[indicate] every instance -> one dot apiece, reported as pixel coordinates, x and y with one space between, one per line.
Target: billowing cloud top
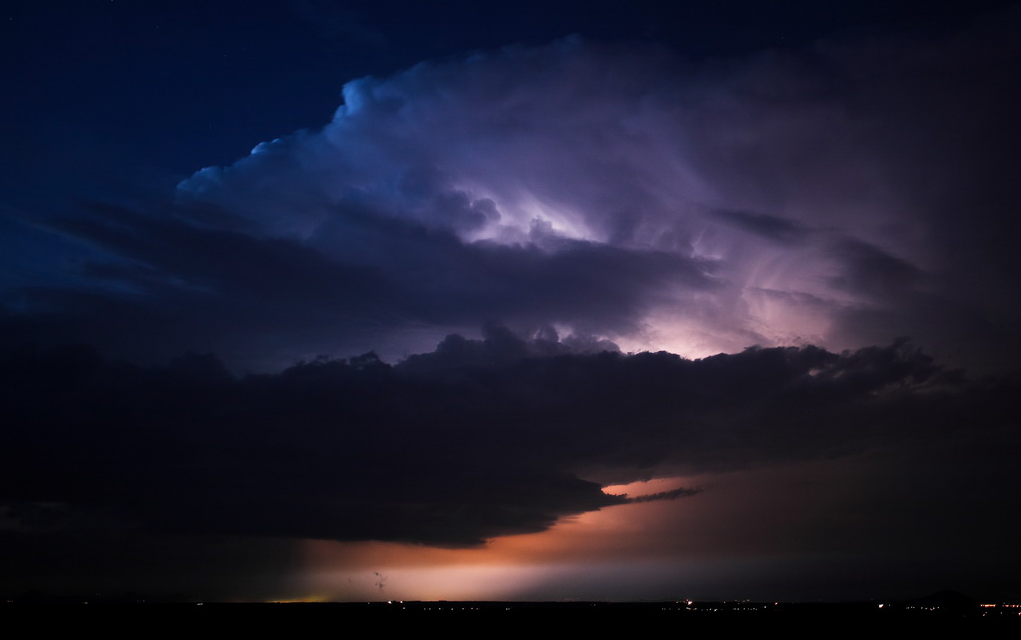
842 197
774 200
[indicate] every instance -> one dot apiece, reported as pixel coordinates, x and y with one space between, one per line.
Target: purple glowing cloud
770 201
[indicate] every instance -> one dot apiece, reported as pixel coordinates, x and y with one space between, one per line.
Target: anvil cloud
841 197
704 208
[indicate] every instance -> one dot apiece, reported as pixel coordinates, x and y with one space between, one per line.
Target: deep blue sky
104 87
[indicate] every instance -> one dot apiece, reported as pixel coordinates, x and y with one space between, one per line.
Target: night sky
311 300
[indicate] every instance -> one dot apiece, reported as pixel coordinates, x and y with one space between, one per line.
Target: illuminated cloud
608 191
768 201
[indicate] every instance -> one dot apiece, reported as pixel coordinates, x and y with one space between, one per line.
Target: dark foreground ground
111 617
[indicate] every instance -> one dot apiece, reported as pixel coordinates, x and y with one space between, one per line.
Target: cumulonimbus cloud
804 197
798 174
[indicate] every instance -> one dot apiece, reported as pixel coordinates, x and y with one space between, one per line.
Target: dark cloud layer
170 285
475 440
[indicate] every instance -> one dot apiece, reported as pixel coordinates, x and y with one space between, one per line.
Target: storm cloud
840 196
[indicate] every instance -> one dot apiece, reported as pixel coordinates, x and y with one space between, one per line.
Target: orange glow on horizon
743 525
505 568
